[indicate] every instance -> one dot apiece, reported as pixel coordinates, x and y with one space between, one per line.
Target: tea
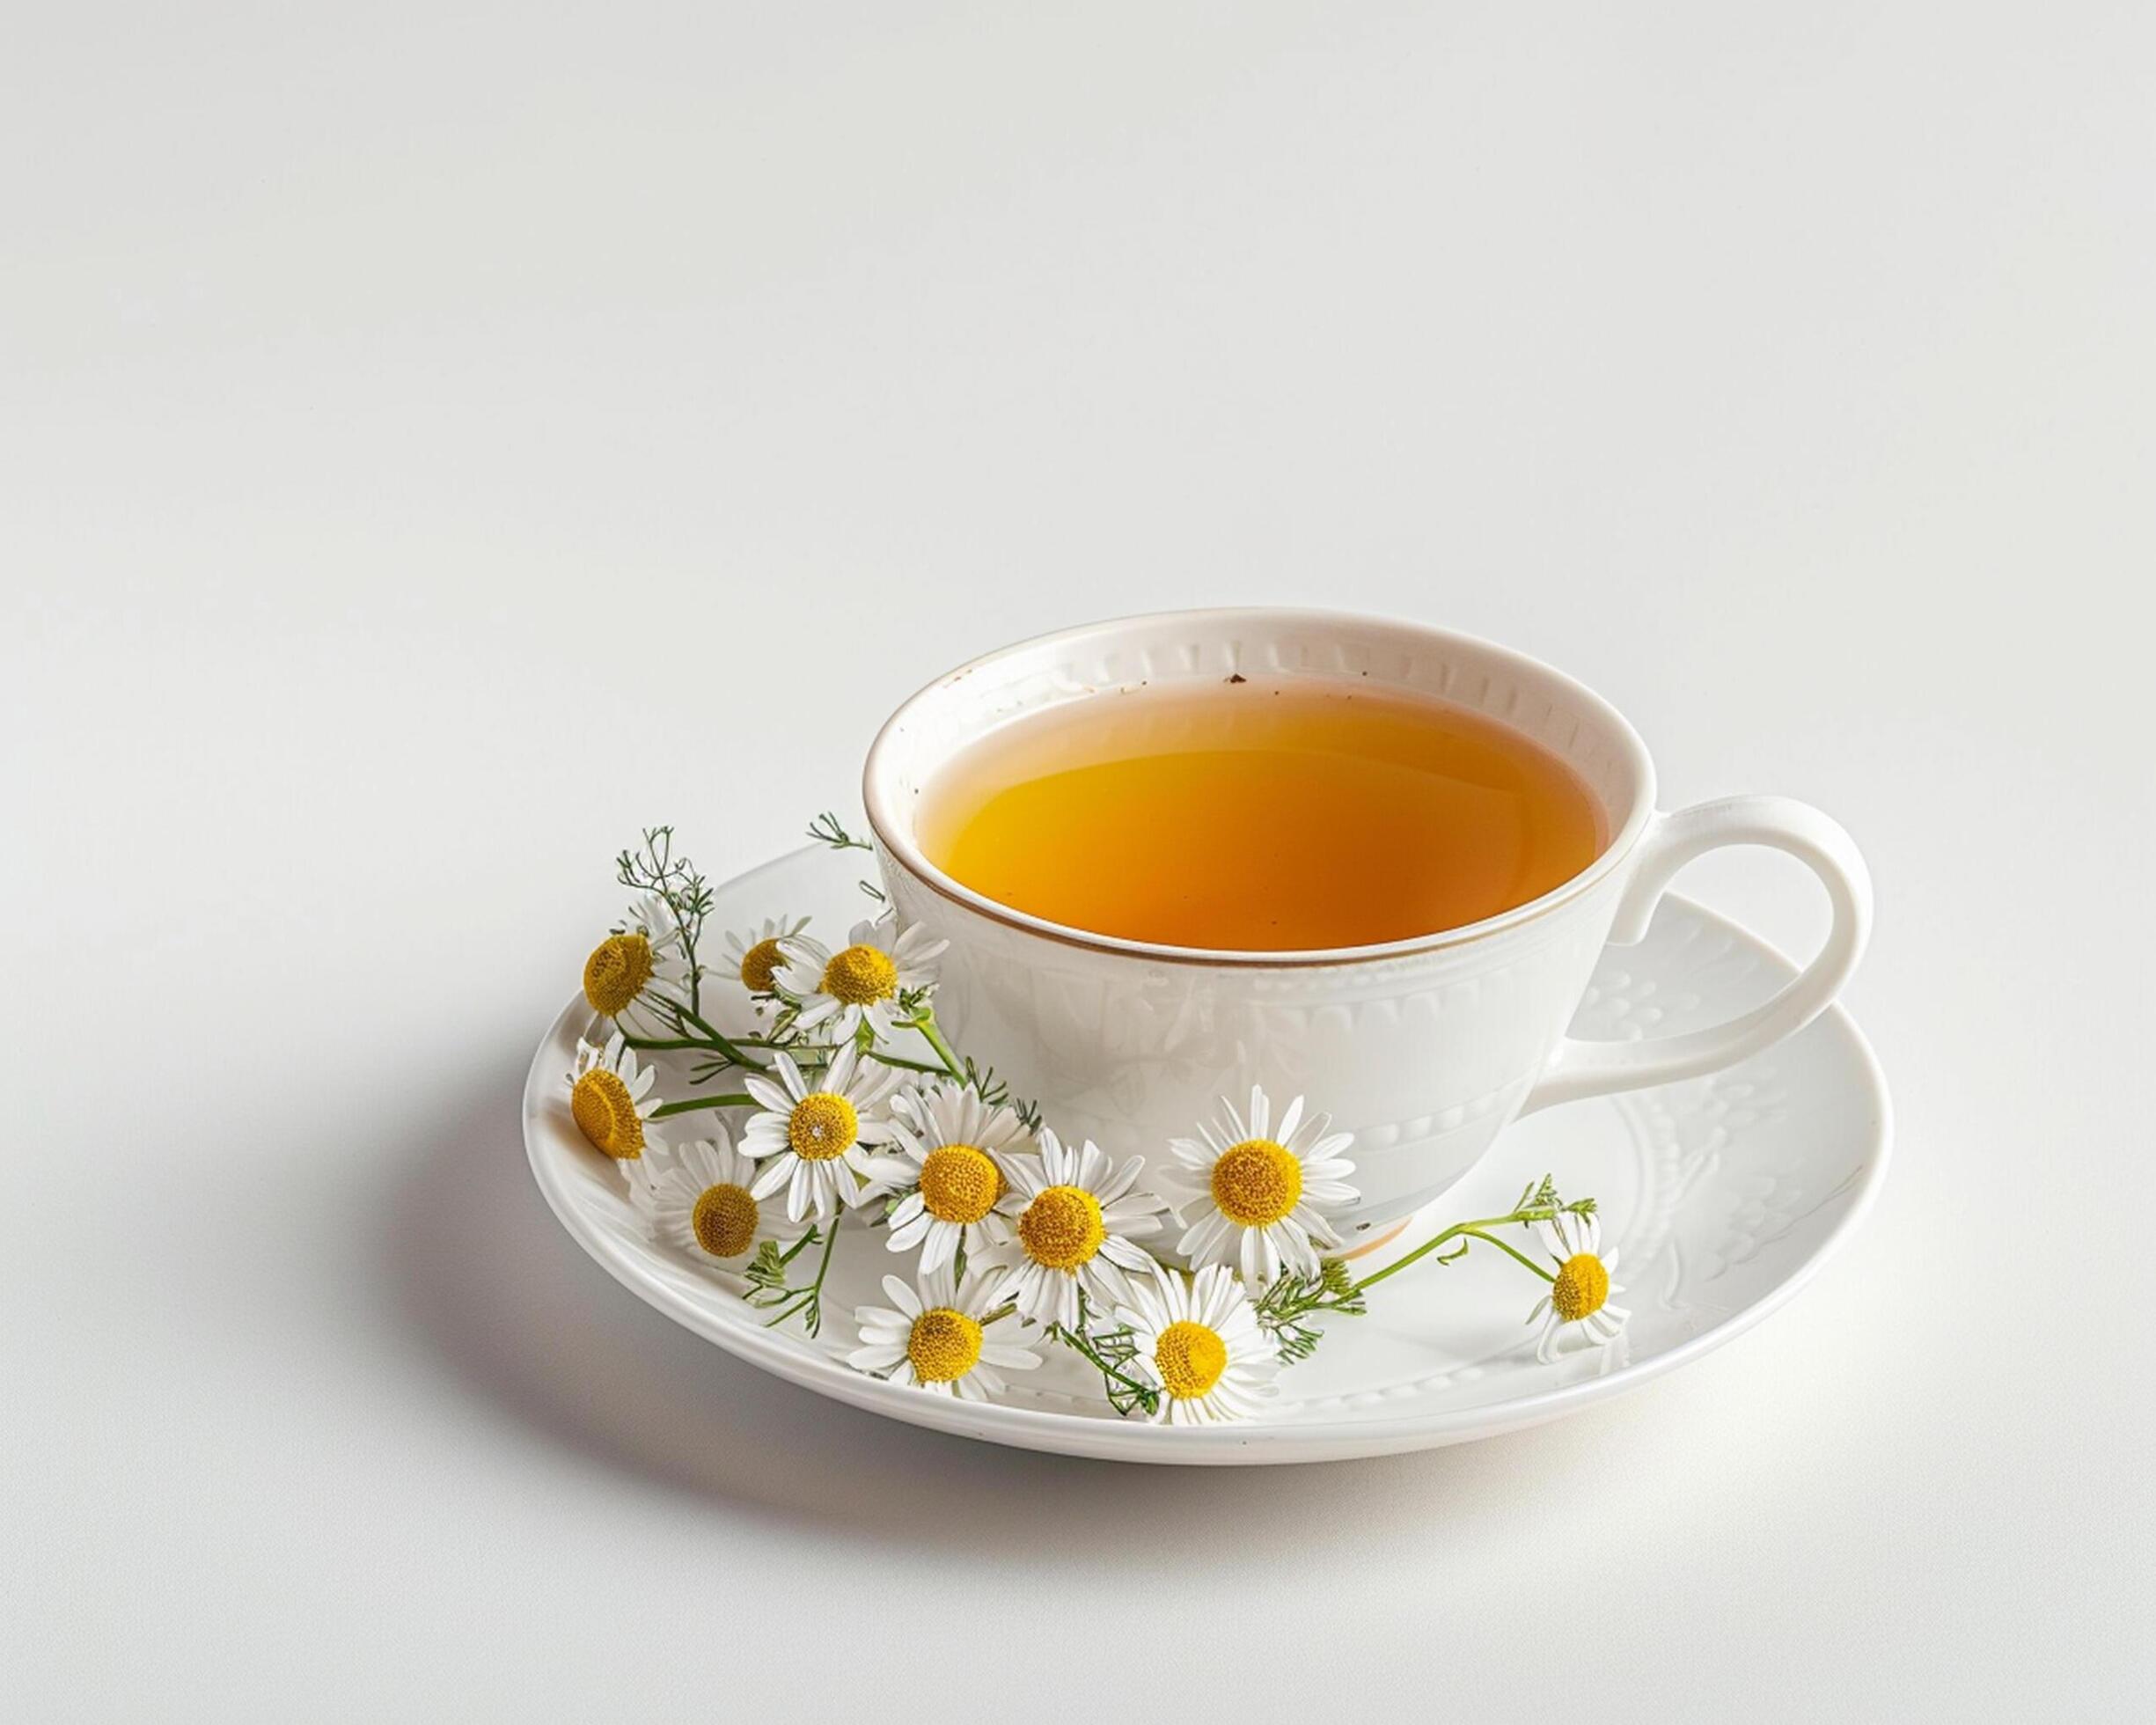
1258 816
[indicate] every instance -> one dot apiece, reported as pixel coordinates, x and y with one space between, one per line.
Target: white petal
1009 1359
774 1175
943 1245
905 1236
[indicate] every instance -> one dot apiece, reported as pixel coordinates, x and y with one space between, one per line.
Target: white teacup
1425 1048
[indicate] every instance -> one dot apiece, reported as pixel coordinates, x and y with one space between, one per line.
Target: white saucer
1724 1196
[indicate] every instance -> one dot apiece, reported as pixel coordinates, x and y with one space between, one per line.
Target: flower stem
811 1297
934 1036
1476 1230
883 1059
667 1110
1072 1339
720 1044
1474 1233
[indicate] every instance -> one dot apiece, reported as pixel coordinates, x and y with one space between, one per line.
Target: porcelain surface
1434 1045
1724 1194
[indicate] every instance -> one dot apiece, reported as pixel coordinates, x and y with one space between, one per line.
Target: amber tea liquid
1259 817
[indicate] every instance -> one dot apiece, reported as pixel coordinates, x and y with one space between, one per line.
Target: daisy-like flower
610 1100
1073 1219
952 1144
757 953
814 1142
698 1198
1265 1196
936 1338
861 983
639 964
1199 1341
1580 1293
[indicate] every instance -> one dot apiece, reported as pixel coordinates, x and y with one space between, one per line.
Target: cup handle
1579 1069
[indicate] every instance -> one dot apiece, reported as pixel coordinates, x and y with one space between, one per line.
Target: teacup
1425 1048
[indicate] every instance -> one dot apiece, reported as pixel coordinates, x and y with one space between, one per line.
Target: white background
437 440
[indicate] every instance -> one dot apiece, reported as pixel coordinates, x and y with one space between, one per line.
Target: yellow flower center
607 1114
616 972
1191 1359
724 1220
1062 1228
861 976
945 1345
1582 1284
959 1183
822 1125
1257 1183
759 966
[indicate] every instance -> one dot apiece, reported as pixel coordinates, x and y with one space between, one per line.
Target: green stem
926 1026
1510 1251
811 1299
667 1110
1072 1339
667 1044
901 1060
1479 1228
731 1050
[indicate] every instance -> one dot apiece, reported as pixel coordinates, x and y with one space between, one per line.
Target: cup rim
892 831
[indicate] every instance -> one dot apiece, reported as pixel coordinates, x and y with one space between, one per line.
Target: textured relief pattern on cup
1424 1057
1147 650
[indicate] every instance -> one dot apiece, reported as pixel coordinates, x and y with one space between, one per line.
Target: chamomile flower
697 1198
1199 1341
756 954
610 1100
814 1142
951 1143
638 966
1580 1293
937 1338
1074 1218
1264 1195
861 983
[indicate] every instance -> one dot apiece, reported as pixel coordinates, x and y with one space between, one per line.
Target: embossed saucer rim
553 1162
1626 832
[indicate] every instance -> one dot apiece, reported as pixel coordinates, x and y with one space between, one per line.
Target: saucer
1723 1196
